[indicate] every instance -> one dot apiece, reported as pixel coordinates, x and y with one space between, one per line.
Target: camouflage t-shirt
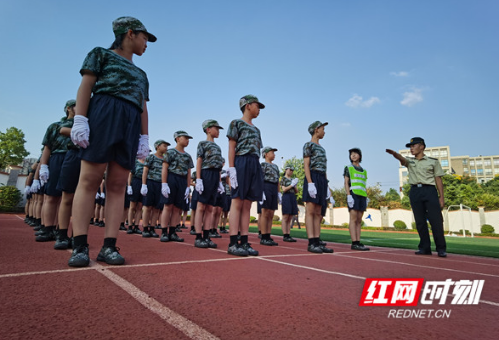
138 170
211 154
178 163
286 182
117 76
248 138
155 164
270 172
317 154
56 142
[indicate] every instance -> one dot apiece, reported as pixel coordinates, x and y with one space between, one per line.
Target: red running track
176 291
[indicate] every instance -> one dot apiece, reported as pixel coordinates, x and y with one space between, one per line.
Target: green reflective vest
358 181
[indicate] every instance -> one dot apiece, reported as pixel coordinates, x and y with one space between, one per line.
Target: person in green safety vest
355 186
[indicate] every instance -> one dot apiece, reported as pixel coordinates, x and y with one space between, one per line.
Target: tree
299 172
392 195
12 149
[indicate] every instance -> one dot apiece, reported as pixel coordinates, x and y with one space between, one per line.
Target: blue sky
380 72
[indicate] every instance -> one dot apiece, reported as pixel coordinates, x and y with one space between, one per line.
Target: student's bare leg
286 224
65 210
49 210
352 226
116 179
244 217
235 216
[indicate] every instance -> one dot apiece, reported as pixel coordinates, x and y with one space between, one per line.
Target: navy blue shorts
153 197
249 178
271 199
227 202
289 205
211 180
127 201
70 172
194 200
320 181
359 202
177 185
219 202
136 185
258 208
55 165
114 131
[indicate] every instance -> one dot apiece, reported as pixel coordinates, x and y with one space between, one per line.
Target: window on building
465 170
487 162
465 162
443 153
479 172
473 171
496 161
444 162
479 162
435 153
488 171
496 170
404 173
472 163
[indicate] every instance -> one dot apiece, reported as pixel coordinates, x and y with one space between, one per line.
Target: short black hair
357 151
118 41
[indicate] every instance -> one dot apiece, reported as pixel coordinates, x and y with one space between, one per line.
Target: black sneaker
136 230
46 236
110 255
268 242
61 241
183 226
322 243
38 227
215 234
259 236
288 239
178 229
249 249
422 252
164 236
146 232
122 227
130 229
326 249
79 257
193 231
211 244
153 233
92 221
315 248
101 224
360 247
200 243
237 250
175 237
158 226
224 231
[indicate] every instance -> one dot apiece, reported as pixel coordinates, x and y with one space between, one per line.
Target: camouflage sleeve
200 150
48 139
191 164
307 150
148 161
93 62
169 156
346 173
232 131
259 139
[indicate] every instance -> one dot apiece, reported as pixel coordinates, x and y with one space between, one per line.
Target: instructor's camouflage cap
123 24
248 99
69 103
315 125
181 133
267 149
159 142
210 123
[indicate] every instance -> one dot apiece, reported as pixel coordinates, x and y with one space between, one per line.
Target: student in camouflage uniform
426 200
37 191
245 172
289 205
175 179
133 191
208 166
194 203
55 149
151 187
271 195
355 178
226 201
111 127
315 188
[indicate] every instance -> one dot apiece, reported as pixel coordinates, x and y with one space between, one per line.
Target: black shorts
289 205
127 201
249 178
70 172
271 199
227 202
194 200
55 165
136 196
211 181
153 197
114 131
177 185
320 181
359 202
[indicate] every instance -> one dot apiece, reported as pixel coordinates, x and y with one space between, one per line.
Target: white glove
350 201
143 190
331 199
279 197
35 186
165 189
102 195
221 188
27 190
199 185
129 190
294 182
312 190
44 172
223 175
80 131
143 150
42 182
233 177
328 195
97 196
187 193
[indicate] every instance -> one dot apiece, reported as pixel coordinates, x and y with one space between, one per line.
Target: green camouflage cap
69 103
210 123
159 142
267 149
123 24
181 133
248 99
315 125
290 168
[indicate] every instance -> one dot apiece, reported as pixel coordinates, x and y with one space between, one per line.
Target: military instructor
424 173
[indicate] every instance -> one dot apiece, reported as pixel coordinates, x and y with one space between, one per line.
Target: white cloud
345 124
413 97
357 101
400 74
